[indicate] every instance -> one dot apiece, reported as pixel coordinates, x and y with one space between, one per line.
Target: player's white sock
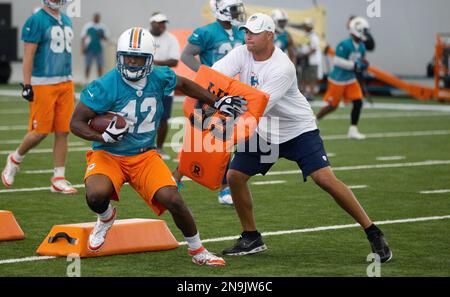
194 242
18 157
107 214
59 172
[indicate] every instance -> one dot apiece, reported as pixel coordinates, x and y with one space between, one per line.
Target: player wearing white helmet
211 43
283 39
54 4
135 89
349 60
232 11
48 86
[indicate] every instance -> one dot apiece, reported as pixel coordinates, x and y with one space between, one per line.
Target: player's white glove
231 105
113 134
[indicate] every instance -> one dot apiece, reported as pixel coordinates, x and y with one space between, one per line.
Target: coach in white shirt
265 67
167 54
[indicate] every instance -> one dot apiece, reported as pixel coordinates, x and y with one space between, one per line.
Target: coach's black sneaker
378 244
247 245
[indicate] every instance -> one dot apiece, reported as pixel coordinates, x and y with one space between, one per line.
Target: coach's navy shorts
306 150
167 103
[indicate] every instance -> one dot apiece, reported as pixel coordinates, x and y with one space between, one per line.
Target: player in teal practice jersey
212 42
135 90
47 85
92 36
283 39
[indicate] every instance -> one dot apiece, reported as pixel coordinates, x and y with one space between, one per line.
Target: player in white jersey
295 137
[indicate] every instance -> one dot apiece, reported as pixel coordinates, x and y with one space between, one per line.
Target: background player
350 58
135 89
211 43
283 39
92 36
47 84
167 54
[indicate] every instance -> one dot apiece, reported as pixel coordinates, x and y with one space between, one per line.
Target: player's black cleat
380 246
246 246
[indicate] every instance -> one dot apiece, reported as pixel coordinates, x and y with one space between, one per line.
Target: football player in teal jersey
350 59
283 39
47 85
92 36
135 90
211 43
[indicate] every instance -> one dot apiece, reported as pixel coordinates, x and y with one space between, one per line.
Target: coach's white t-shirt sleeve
276 87
230 65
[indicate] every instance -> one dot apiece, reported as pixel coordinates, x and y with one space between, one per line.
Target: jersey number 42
148 124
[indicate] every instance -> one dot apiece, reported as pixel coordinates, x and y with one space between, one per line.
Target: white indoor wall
405 32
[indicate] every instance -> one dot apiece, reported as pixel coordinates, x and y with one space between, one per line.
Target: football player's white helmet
54 5
135 42
359 27
279 15
228 11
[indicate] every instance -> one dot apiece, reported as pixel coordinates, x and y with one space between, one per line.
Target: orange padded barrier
124 237
207 146
9 228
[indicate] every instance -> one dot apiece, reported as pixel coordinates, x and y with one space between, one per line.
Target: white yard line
374 166
358 187
326 228
19 141
34 189
49 150
388 115
395 106
14 128
13 111
392 134
266 234
289 172
270 182
390 158
436 191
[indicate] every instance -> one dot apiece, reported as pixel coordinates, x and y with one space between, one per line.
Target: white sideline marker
357 187
391 158
290 172
275 233
436 191
270 182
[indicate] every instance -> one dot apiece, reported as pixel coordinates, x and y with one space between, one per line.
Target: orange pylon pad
9 228
124 237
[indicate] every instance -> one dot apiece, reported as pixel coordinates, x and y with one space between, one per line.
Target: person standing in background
211 43
312 71
283 39
92 36
48 86
167 54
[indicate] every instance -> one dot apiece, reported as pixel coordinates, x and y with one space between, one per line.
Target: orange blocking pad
124 237
210 137
9 228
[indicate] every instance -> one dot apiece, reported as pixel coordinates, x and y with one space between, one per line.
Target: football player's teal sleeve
199 39
96 98
171 81
31 31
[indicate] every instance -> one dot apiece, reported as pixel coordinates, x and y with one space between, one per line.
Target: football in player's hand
101 122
